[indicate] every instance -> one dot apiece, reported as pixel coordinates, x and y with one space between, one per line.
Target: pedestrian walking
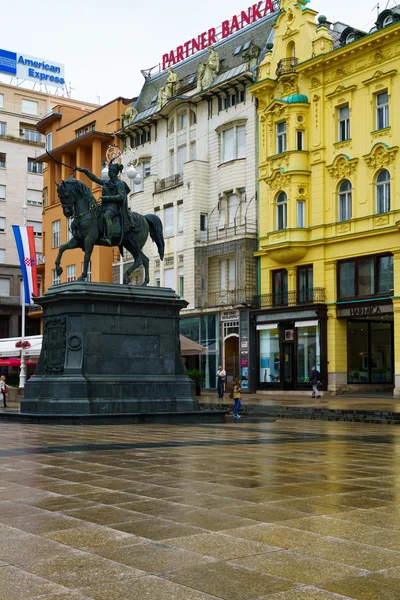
236 398
221 376
3 389
315 379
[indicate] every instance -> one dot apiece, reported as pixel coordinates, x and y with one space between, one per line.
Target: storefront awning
191 348
8 349
268 326
306 323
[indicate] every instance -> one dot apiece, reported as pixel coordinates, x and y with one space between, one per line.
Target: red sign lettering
212 36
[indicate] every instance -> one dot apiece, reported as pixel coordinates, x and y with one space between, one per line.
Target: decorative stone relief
277 237
381 156
278 180
342 167
208 71
343 228
381 221
315 82
54 344
287 85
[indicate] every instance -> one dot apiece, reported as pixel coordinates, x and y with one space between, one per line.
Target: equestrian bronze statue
110 223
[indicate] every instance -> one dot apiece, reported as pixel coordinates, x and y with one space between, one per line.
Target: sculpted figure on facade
169 90
129 115
208 71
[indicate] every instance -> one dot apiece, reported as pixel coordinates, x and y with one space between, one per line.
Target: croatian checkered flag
27 258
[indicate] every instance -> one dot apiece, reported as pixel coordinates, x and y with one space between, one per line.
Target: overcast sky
104 45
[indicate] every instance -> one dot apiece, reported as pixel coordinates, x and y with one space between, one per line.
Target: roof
231 65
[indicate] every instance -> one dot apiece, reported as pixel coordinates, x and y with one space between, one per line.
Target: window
279 288
2 255
2 160
203 227
369 352
3 128
158 280
232 208
35 167
4 286
345 201
383 192
308 350
31 135
49 141
71 272
387 21
2 224
305 284
37 227
231 274
182 120
343 123
34 197
300 213
223 276
70 220
181 158
233 143
382 110
281 211
221 207
169 222
2 193
55 279
365 276
1 100
180 218
269 367
299 139
55 229
281 137
45 196
29 107
89 271
171 126
169 278
193 118
144 169
181 281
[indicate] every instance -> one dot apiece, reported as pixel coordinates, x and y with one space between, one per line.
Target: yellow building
75 137
329 204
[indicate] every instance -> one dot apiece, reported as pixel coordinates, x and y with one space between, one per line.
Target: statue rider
114 201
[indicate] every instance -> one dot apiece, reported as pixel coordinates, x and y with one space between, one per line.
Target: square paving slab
284 510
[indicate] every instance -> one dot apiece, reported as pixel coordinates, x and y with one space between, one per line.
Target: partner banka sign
212 36
31 68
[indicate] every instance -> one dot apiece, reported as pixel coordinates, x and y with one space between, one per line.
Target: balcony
292 298
286 65
213 234
244 297
35 311
169 182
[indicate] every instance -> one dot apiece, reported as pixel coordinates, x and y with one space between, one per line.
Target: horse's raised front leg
71 245
89 244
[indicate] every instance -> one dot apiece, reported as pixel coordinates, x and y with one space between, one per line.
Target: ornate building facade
194 129
329 241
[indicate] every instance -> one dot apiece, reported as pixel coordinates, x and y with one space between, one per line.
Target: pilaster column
291 271
80 162
396 321
65 171
337 334
96 160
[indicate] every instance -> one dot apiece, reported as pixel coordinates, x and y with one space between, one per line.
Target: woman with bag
3 389
236 398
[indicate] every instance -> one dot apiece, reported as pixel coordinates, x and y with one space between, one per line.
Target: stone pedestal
109 349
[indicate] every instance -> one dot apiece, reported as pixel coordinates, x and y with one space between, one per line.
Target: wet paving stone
285 510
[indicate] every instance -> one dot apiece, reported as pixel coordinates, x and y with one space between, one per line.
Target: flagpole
22 371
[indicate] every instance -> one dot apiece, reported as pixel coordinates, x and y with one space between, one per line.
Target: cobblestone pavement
247 510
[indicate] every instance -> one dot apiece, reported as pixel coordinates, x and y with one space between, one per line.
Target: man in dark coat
314 379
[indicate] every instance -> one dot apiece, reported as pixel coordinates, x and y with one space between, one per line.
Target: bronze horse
88 228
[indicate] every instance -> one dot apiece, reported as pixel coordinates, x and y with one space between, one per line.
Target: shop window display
369 352
308 351
269 356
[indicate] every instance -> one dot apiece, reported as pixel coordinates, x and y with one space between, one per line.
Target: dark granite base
109 349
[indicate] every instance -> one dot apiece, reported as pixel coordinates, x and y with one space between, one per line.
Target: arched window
193 118
345 201
281 211
383 192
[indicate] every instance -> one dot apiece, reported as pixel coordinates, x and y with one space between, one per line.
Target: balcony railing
169 182
213 234
292 298
286 65
227 298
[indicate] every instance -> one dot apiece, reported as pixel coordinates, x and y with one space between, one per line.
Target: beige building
20 178
194 131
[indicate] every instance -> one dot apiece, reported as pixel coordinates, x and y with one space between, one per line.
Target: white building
197 152
20 178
